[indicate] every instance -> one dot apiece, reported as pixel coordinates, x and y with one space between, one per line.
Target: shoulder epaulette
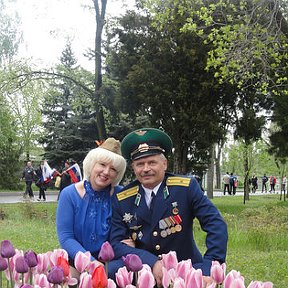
127 193
178 181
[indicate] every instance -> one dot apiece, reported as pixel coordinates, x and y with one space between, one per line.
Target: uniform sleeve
212 223
119 232
65 223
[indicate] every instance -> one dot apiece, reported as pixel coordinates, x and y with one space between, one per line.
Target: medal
127 217
173 229
175 209
163 234
178 228
134 236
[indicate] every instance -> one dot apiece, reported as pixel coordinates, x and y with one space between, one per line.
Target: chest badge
127 217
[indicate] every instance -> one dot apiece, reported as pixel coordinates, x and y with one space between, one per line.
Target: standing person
284 183
272 181
65 178
158 209
40 182
226 183
84 209
254 180
264 183
28 175
233 182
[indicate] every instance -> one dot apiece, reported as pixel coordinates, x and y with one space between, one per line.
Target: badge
175 209
137 199
165 192
127 217
163 234
173 229
162 224
140 235
134 236
178 228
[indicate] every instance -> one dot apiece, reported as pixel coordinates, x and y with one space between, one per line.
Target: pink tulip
218 272
183 268
43 263
231 276
56 254
179 283
166 279
194 279
82 260
85 280
41 281
123 277
259 284
170 260
111 284
145 279
106 253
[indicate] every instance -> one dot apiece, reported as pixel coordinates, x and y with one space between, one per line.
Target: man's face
150 170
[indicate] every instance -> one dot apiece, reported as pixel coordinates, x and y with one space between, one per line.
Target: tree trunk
210 174
100 21
246 173
217 167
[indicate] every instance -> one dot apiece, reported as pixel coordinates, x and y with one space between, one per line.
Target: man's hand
207 280
157 272
129 242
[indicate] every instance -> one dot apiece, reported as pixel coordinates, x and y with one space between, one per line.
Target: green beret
145 142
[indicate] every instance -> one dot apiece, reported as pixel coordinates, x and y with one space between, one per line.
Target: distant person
233 182
65 177
40 182
272 181
254 182
284 183
264 183
226 183
28 175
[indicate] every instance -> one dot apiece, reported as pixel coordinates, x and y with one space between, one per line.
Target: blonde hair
103 155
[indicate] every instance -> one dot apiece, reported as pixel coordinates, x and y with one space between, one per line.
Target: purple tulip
26 286
3 264
133 262
7 249
106 253
21 265
31 258
56 275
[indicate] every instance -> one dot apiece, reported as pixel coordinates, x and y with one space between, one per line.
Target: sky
48 24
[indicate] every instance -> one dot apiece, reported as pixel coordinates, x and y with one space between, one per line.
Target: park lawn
258 233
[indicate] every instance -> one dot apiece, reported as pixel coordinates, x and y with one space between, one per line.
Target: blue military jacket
169 227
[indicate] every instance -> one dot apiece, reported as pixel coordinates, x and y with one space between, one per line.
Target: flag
75 173
48 173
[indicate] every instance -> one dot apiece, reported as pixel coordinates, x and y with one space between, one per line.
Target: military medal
178 221
175 210
127 217
134 236
165 192
163 234
137 199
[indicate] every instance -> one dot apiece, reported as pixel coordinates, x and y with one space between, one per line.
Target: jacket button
155 233
157 247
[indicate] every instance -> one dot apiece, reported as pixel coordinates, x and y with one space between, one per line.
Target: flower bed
51 269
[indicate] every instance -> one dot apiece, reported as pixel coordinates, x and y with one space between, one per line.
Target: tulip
218 272
111 284
21 265
259 284
63 263
99 278
56 275
26 286
85 280
183 268
170 260
123 277
146 279
82 260
43 263
194 279
231 276
40 280
133 262
3 264
106 253
31 258
7 249
179 283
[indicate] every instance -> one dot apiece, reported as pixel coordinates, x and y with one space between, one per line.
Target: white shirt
148 193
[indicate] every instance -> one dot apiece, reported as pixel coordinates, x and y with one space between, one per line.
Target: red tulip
99 278
63 263
7 249
106 253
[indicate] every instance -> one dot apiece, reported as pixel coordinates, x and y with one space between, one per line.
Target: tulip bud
56 275
31 258
3 264
21 265
133 262
26 286
99 278
106 253
7 249
63 263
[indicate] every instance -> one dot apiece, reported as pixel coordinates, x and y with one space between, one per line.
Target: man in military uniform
157 210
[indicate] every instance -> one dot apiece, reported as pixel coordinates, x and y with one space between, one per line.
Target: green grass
258 233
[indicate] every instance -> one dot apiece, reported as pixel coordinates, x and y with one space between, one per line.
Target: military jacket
169 226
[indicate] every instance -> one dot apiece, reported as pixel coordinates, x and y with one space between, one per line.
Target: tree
161 74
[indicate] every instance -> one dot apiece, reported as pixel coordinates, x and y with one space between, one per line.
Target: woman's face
102 175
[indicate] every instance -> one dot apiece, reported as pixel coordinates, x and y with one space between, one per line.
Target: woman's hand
129 242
